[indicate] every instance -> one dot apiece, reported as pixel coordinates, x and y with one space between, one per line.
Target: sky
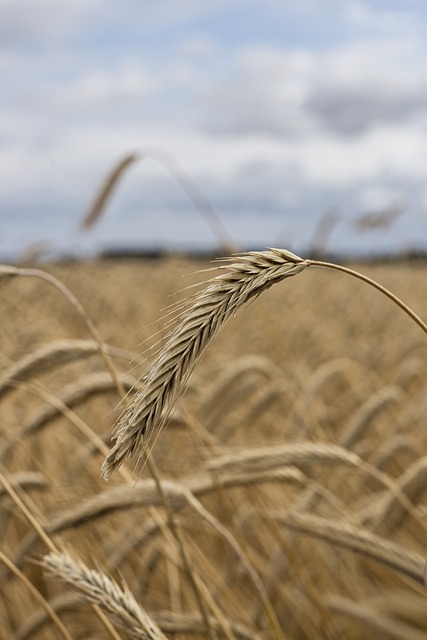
299 123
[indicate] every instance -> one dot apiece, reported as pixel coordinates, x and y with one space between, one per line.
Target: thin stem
37 595
27 513
78 307
376 285
176 532
50 545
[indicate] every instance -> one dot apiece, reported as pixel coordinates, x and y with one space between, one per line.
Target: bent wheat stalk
181 177
50 613
359 539
101 199
50 356
244 278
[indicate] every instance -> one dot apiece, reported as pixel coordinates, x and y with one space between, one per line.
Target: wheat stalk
245 278
50 356
47 609
169 621
41 533
182 178
387 513
382 624
35 622
99 589
358 539
145 494
109 184
8 272
70 396
366 413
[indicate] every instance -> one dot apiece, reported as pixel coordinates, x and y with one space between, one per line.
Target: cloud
263 94
356 109
103 88
347 90
396 17
25 23
274 135
196 45
362 86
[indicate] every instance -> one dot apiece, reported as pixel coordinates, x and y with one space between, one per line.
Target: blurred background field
318 360
138 141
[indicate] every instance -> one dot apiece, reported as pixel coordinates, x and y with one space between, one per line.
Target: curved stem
376 285
37 595
50 545
71 298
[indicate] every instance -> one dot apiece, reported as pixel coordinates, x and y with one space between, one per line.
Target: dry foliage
285 497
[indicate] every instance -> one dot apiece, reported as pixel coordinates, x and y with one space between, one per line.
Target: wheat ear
98 588
344 534
104 194
244 278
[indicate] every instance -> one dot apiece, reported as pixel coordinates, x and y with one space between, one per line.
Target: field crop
285 497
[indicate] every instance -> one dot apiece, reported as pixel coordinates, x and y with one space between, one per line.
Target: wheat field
283 496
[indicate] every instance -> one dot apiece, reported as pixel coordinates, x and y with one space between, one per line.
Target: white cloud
264 93
376 197
346 89
382 153
266 131
25 22
368 84
386 19
101 87
196 45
